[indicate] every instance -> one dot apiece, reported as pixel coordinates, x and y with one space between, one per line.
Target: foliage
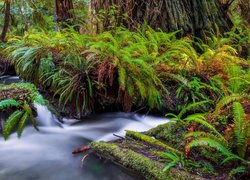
175 159
20 108
9 102
205 82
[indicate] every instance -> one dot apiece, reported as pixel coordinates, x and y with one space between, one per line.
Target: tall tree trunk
192 16
64 12
6 20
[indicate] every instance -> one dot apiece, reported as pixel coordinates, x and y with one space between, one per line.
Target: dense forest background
187 60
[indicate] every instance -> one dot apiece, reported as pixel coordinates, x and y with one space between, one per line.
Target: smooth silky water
46 154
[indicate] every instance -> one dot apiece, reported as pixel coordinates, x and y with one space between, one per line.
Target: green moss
130 159
137 162
150 140
171 133
21 91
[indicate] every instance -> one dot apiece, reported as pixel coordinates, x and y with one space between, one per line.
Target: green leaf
11 122
201 119
214 144
172 164
7 103
22 123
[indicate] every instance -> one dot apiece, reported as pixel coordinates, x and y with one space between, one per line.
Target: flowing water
46 154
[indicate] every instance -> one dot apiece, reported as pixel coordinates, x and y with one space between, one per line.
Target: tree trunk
6 20
64 12
192 16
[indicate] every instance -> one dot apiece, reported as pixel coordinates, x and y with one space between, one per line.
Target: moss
21 91
137 162
130 159
150 140
171 133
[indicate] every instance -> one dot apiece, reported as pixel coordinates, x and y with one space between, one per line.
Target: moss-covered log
138 162
150 140
14 93
193 17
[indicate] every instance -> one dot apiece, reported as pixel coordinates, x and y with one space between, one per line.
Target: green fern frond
193 106
174 158
240 128
200 118
213 144
7 103
11 123
241 169
229 99
199 134
22 123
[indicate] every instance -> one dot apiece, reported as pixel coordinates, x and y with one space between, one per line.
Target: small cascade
45 117
46 154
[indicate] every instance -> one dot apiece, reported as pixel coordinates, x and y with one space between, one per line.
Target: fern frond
241 169
200 118
193 106
11 122
22 123
240 128
213 144
7 103
229 99
199 134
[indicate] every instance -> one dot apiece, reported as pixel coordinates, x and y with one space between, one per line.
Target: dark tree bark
6 20
64 12
192 16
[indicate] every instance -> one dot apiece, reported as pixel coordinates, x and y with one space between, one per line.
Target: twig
118 136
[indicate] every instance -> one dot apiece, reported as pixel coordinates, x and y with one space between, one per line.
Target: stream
46 154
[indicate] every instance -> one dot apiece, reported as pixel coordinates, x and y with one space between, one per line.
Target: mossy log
143 154
138 162
150 140
14 93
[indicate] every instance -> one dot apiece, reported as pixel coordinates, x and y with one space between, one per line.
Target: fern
192 107
227 100
22 123
200 118
7 103
213 144
240 128
11 122
240 169
199 134
175 159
